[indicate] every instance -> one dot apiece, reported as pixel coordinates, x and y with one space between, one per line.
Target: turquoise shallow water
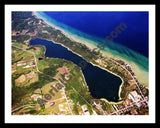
113 49
108 23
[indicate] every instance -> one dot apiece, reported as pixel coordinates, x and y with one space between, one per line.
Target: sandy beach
119 92
140 73
87 42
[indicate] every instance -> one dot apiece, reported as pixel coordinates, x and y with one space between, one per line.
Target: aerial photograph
80 63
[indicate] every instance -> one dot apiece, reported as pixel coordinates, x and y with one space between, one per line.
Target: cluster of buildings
135 99
132 105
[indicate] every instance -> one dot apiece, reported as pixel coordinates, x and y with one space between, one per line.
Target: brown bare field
25 80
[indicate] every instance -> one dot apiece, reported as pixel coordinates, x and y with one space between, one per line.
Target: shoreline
93 65
141 74
89 45
119 92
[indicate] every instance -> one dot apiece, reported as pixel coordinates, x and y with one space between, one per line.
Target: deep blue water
101 83
101 24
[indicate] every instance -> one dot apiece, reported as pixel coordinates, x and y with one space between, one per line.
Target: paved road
23 106
132 104
131 76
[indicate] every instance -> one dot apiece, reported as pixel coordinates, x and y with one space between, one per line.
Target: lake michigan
91 28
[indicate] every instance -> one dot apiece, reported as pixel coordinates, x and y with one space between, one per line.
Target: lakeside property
101 83
138 62
133 93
